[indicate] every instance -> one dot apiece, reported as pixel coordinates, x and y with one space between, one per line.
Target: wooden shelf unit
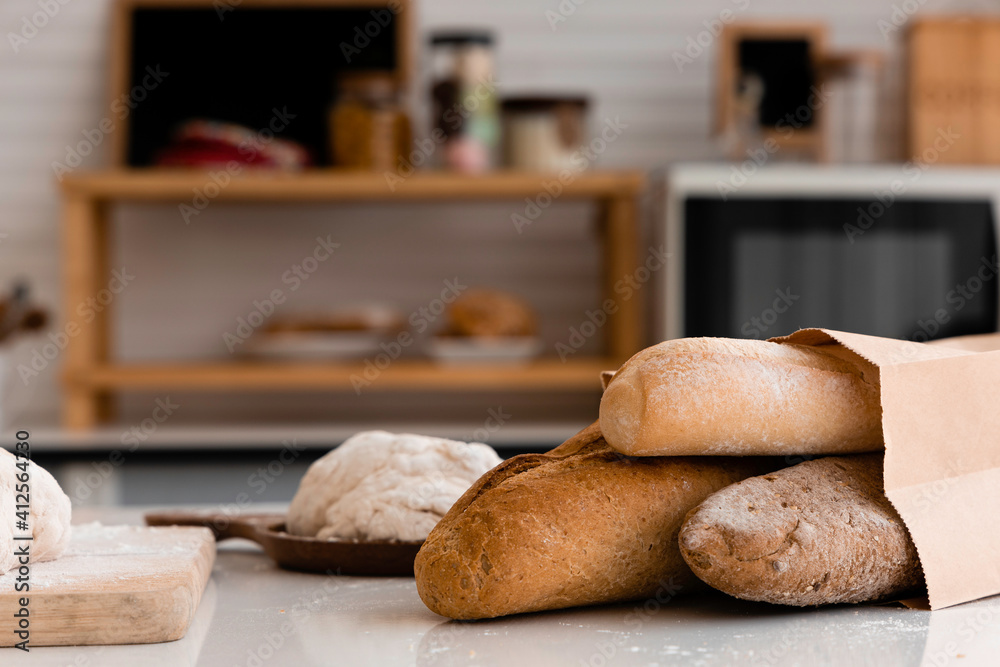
91 377
541 375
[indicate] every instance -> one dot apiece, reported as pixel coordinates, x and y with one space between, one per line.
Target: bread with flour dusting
719 396
821 532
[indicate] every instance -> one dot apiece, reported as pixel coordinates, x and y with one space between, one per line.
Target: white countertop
254 614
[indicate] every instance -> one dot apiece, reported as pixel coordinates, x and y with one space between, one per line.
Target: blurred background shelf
91 376
343 185
541 375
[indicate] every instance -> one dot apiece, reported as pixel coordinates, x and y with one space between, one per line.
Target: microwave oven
901 251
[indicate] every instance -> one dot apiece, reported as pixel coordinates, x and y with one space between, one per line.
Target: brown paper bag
941 421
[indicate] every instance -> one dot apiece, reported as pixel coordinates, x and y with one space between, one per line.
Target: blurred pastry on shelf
338 335
490 313
487 326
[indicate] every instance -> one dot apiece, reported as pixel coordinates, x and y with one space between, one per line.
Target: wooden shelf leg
85 256
106 406
621 241
106 402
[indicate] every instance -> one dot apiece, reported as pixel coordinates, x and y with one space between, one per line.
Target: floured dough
386 486
49 518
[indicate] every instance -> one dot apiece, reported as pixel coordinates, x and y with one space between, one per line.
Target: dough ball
386 486
49 518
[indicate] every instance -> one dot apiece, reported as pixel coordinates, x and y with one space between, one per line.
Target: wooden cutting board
114 585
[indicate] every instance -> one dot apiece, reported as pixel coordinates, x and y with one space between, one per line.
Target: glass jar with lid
466 119
368 128
544 133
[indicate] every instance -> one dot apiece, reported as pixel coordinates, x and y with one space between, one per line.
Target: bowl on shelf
458 350
339 336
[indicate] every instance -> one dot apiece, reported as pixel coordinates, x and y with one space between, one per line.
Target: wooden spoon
383 558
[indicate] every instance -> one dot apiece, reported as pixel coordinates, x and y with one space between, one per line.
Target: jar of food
544 133
368 128
466 120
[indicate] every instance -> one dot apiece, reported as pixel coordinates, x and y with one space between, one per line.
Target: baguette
579 525
821 532
696 396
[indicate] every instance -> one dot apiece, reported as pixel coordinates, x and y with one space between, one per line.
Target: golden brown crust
580 525
699 396
821 532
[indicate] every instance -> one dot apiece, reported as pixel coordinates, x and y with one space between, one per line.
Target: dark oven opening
916 269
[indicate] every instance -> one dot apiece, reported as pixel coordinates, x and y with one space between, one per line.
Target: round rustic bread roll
821 532
48 520
577 526
719 396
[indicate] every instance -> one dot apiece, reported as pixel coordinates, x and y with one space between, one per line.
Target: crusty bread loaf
580 525
821 532
696 396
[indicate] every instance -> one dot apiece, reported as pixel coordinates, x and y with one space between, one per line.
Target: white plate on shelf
312 346
519 350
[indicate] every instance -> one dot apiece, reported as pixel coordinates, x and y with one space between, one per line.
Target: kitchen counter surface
254 614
